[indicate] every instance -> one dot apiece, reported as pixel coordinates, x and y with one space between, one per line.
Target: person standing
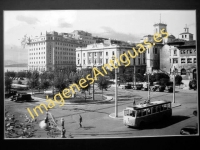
80 121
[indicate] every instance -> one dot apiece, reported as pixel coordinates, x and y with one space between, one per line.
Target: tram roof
146 105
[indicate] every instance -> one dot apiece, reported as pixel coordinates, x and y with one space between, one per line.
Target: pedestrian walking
133 102
80 121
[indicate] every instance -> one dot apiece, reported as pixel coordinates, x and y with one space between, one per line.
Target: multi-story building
98 54
52 50
180 55
83 36
153 53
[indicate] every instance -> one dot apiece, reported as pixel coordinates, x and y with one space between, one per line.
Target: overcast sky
127 25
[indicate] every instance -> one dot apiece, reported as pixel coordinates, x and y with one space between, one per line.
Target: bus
141 114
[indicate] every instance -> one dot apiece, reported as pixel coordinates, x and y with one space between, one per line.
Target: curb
108 98
120 116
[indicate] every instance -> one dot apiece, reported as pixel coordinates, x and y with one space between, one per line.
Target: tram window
132 113
164 106
161 108
168 106
144 112
126 112
158 108
148 110
153 109
139 113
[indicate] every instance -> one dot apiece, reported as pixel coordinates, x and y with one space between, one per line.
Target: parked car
11 93
137 87
158 88
21 97
190 130
169 87
128 86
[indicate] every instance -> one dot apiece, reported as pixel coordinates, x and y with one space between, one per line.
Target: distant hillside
17 65
9 62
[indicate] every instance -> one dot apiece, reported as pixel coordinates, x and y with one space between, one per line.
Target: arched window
183 71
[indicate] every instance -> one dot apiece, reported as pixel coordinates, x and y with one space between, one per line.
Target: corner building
52 50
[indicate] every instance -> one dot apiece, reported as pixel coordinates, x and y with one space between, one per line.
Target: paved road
97 123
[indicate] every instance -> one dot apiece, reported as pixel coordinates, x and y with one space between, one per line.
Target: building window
144 60
89 61
155 50
100 53
100 61
95 54
170 60
175 60
138 70
84 62
106 61
175 52
183 71
106 53
95 61
148 50
182 36
113 53
83 54
195 60
182 60
138 61
78 61
189 60
78 55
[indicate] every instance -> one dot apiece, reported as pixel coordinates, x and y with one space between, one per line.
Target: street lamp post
148 89
174 86
93 83
116 93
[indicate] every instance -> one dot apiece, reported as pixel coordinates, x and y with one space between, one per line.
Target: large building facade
99 54
52 50
180 55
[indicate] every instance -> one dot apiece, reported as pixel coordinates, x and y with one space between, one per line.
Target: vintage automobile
158 88
10 93
137 86
169 87
21 97
127 86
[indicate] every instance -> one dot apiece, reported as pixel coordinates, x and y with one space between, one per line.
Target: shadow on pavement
88 127
164 123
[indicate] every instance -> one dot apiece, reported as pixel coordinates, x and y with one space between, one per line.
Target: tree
21 74
33 79
103 83
8 83
44 80
85 88
61 78
157 77
178 80
10 74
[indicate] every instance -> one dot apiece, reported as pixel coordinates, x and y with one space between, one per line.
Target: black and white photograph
97 74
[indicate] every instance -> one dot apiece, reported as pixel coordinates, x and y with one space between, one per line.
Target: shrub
178 80
193 84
